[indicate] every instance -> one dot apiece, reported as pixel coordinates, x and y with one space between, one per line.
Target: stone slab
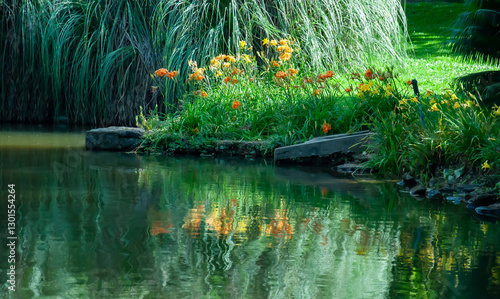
324 146
114 139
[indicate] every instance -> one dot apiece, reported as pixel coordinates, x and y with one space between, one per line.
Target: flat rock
454 199
433 194
482 200
114 139
324 146
491 210
418 191
467 188
408 181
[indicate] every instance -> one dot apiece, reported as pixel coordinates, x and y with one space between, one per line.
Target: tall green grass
90 60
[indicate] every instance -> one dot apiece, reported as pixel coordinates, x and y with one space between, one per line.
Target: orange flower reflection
160 227
193 219
280 226
160 222
220 221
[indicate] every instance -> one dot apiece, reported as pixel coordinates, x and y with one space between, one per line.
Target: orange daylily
196 76
236 104
172 74
326 127
161 72
230 79
280 75
369 74
285 56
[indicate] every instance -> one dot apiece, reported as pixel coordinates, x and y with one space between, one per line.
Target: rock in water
482 200
491 210
114 139
409 181
434 194
418 191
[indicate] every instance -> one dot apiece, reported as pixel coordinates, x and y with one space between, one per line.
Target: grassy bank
287 102
89 61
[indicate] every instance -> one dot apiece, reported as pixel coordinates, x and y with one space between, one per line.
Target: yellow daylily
486 165
247 58
265 41
434 107
242 44
496 110
365 87
457 105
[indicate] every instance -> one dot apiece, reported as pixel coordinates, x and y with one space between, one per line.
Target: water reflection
110 225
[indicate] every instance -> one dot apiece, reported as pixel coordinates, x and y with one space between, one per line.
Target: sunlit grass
430 62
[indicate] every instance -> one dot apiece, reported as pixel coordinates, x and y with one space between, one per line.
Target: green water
110 225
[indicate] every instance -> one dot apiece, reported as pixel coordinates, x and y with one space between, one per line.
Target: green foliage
90 60
475 33
86 60
457 131
235 99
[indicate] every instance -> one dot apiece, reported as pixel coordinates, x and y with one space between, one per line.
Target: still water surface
111 225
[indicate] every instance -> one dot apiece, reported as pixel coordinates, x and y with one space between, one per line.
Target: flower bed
273 96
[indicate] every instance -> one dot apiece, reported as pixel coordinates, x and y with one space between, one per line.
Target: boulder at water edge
491 210
114 139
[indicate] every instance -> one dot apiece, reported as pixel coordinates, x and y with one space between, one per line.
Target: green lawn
431 63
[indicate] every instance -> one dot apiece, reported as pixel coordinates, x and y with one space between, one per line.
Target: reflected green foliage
121 226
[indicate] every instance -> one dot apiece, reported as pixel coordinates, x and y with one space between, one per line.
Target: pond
114 225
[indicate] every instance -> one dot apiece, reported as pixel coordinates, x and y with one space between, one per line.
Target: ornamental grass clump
87 60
